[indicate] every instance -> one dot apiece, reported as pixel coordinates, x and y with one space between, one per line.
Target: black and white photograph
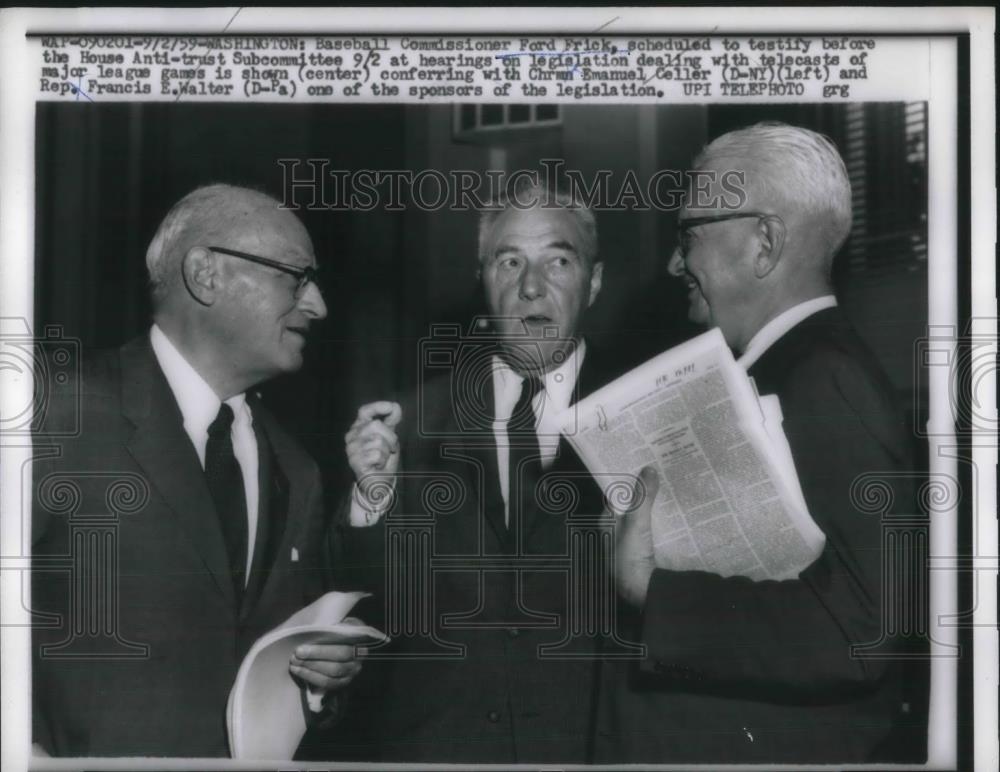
599 388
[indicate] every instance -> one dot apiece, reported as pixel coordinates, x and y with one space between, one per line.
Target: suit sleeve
357 552
712 633
358 537
50 588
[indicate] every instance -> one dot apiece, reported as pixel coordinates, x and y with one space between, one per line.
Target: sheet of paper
729 499
266 713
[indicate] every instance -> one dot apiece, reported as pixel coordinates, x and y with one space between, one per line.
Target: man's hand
634 561
373 447
326 667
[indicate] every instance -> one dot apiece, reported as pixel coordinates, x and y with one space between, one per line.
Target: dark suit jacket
130 579
465 679
744 672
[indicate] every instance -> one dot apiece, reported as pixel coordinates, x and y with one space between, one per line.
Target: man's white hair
202 216
796 166
528 193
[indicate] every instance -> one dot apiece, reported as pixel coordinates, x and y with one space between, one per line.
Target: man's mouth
537 319
301 331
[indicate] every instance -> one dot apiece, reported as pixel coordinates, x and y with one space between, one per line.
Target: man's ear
771 231
200 272
596 275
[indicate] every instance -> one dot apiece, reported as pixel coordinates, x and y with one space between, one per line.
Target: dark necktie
525 466
225 483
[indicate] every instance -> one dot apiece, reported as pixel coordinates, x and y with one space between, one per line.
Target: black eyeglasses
303 274
685 225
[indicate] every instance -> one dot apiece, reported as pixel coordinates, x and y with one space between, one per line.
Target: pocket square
295 555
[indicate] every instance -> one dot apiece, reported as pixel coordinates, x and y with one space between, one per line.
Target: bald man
777 672
216 539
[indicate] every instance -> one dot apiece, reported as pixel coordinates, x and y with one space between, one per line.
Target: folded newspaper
729 500
265 715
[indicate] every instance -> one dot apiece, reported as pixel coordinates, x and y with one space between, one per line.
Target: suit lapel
287 511
161 447
272 513
567 466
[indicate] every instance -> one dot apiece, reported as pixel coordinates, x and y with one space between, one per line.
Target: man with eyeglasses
223 541
807 670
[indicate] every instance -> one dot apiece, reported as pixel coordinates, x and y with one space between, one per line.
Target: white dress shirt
553 398
771 332
199 406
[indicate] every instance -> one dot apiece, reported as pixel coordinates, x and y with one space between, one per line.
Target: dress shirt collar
199 404
771 332
557 384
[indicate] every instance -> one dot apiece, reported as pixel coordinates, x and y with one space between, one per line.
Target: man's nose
311 303
675 266
532 282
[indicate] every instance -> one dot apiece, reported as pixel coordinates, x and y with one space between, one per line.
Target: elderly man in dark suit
492 658
191 520
743 671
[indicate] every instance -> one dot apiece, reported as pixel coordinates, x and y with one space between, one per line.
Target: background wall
107 173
